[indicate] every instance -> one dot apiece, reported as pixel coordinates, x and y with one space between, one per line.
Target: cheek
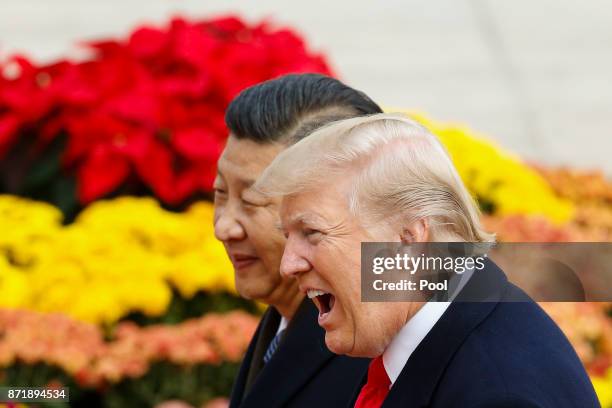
355 312
360 319
266 239
341 270
349 282
346 284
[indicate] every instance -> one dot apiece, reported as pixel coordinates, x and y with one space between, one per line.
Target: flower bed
139 115
122 256
41 349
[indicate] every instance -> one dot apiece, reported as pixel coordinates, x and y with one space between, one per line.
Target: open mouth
323 301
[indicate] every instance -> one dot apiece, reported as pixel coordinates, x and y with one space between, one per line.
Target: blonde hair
401 173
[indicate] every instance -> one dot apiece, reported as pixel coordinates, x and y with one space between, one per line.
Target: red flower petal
175 82
191 44
197 144
101 173
135 106
155 168
147 42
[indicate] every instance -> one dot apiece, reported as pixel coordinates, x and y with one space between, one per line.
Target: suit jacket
302 371
492 354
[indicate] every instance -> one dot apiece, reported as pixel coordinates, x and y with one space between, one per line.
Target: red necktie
376 389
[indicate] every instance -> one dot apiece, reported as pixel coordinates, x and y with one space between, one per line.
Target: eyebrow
247 182
306 218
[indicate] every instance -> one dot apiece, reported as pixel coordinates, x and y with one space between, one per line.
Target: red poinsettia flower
151 107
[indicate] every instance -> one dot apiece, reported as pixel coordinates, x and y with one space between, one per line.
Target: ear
417 231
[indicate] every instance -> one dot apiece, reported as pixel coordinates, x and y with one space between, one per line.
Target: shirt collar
283 324
413 332
409 337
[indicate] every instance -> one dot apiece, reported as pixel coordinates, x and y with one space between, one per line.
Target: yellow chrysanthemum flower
603 388
119 256
500 181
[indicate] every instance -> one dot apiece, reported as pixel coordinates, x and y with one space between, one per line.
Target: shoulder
518 352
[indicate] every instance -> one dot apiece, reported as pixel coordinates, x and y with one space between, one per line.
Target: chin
252 289
336 344
354 344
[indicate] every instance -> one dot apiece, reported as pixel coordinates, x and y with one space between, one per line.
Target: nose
293 262
227 226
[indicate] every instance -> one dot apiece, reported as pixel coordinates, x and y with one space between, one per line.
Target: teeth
311 293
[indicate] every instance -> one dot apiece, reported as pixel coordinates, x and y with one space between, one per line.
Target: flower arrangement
497 179
76 353
120 256
587 326
591 192
524 228
140 114
603 388
80 350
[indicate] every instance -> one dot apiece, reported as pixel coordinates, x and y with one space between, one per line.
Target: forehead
323 205
245 159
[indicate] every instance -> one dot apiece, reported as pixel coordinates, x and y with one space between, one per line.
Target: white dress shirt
409 337
414 331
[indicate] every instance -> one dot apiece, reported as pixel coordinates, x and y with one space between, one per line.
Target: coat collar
299 356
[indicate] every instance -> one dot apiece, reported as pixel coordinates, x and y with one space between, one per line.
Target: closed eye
251 199
311 233
252 204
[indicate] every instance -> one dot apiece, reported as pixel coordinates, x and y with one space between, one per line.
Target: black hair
270 111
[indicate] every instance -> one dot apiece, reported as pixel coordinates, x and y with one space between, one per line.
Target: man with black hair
287 362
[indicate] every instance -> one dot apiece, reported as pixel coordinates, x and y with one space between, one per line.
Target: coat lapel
420 376
357 390
299 356
269 326
246 374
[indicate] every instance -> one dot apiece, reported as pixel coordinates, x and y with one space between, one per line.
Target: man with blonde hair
385 178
